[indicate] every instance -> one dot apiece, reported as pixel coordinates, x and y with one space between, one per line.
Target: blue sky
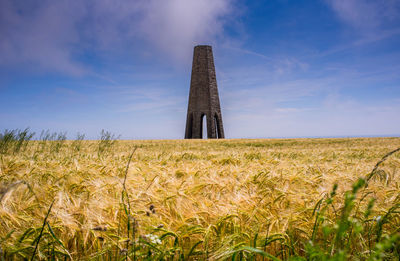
285 68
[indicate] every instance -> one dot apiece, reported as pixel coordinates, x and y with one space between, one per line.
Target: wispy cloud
40 35
280 64
339 117
365 15
156 100
175 26
307 105
54 34
371 38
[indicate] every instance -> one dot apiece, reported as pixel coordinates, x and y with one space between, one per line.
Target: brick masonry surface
203 97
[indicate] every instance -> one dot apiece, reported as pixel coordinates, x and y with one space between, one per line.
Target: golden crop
195 199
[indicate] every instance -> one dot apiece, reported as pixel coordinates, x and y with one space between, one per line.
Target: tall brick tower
203 97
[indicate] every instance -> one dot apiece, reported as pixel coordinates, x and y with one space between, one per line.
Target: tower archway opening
203 125
217 127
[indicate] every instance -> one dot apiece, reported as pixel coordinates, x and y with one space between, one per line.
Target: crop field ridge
260 199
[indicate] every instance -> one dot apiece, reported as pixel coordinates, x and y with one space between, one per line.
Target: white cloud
366 15
53 34
343 118
332 104
175 26
43 36
144 99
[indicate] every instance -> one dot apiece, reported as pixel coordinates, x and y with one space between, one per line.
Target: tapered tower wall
203 97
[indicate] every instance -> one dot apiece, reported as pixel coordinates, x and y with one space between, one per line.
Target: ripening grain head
220 192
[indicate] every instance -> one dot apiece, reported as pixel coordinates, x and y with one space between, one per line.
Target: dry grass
213 196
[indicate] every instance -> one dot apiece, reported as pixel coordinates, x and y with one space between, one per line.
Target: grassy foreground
297 199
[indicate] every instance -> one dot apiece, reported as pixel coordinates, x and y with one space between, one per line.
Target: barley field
262 199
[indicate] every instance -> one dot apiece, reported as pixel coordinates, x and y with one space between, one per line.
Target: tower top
203 46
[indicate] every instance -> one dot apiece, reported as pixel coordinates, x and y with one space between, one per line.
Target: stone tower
203 97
